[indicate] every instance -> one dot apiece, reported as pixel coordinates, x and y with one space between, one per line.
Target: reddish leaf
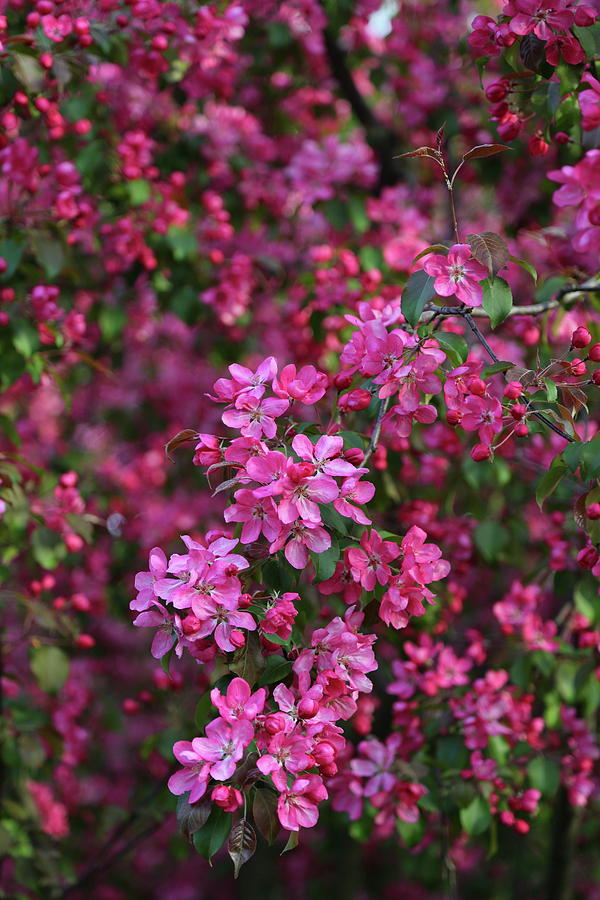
264 812
420 151
182 437
192 816
241 845
490 250
579 511
483 150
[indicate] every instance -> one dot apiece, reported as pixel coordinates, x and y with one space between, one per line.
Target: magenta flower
484 415
589 102
239 702
286 752
145 581
280 618
221 617
297 805
194 776
539 16
253 416
325 454
300 496
308 385
354 491
457 274
223 746
375 763
369 561
258 515
304 536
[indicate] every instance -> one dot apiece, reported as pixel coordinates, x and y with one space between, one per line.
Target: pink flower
244 379
227 797
589 102
297 804
239 702
194 776
300 495
221 617
286 752
376 766
53 815
358 492
307 386
304 536
539 16
223 746
258 515
145 581
457 274
369 561
326 454
56 28
253 416
484 415
280 618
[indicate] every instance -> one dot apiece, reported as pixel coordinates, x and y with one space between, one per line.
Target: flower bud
308 708
580 337
596 377
476 385
521 430
496 91
130 706
85 642
594 353
190 625
480 452
237 638
227 797
593 511
513 390
354 455
518 410
343 380
323 753
297 472
354 401
453 417
537 146
576 367
588 557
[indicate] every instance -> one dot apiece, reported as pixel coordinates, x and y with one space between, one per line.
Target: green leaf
451 751
264 813
572 455
326 561
139 191
551 390
587 600
248 662
490 539
417 291
25 338
550 480
276 669
48 548
524 264
497 299
50 667
292 843
212 835
544 775
12 253
358 215
496 368
333 520
112 320
50 254
183 242
454 346
204 711
476 817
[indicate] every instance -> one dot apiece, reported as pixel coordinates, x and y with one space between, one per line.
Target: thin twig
376 430
533 309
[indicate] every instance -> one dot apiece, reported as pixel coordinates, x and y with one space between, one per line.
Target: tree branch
533 309
376 430
383 141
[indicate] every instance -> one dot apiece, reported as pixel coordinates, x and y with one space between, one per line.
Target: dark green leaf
497 299
454 346
212 835
495 368
550 480
276 669
264 812
475 817
417 291
544 775
326 561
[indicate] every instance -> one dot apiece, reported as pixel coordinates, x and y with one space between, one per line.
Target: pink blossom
239 702
300 495
280 617
221 617
56 28
369 561
326 454
457 274
297 806
52 814
303 536
539 16
145 581
227 797
286 752
589 102
354 491
307 385
223 746
194 776
258 515
253 416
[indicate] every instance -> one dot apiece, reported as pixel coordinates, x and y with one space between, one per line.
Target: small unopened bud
513 390
580 337
518 411
453 417
237 638
476 385
480 452
593 511
308 708
588 557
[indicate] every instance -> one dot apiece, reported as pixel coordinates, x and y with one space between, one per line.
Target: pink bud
594 353
227 797
476 385
354 455
237 638
85 642
355 401
130 706
593 511
580 337
308 708
577 367
480 452
588 557
453 417
518 411
513 390
343 380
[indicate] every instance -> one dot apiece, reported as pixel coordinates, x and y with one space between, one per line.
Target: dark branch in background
376 430
534 309
383 141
